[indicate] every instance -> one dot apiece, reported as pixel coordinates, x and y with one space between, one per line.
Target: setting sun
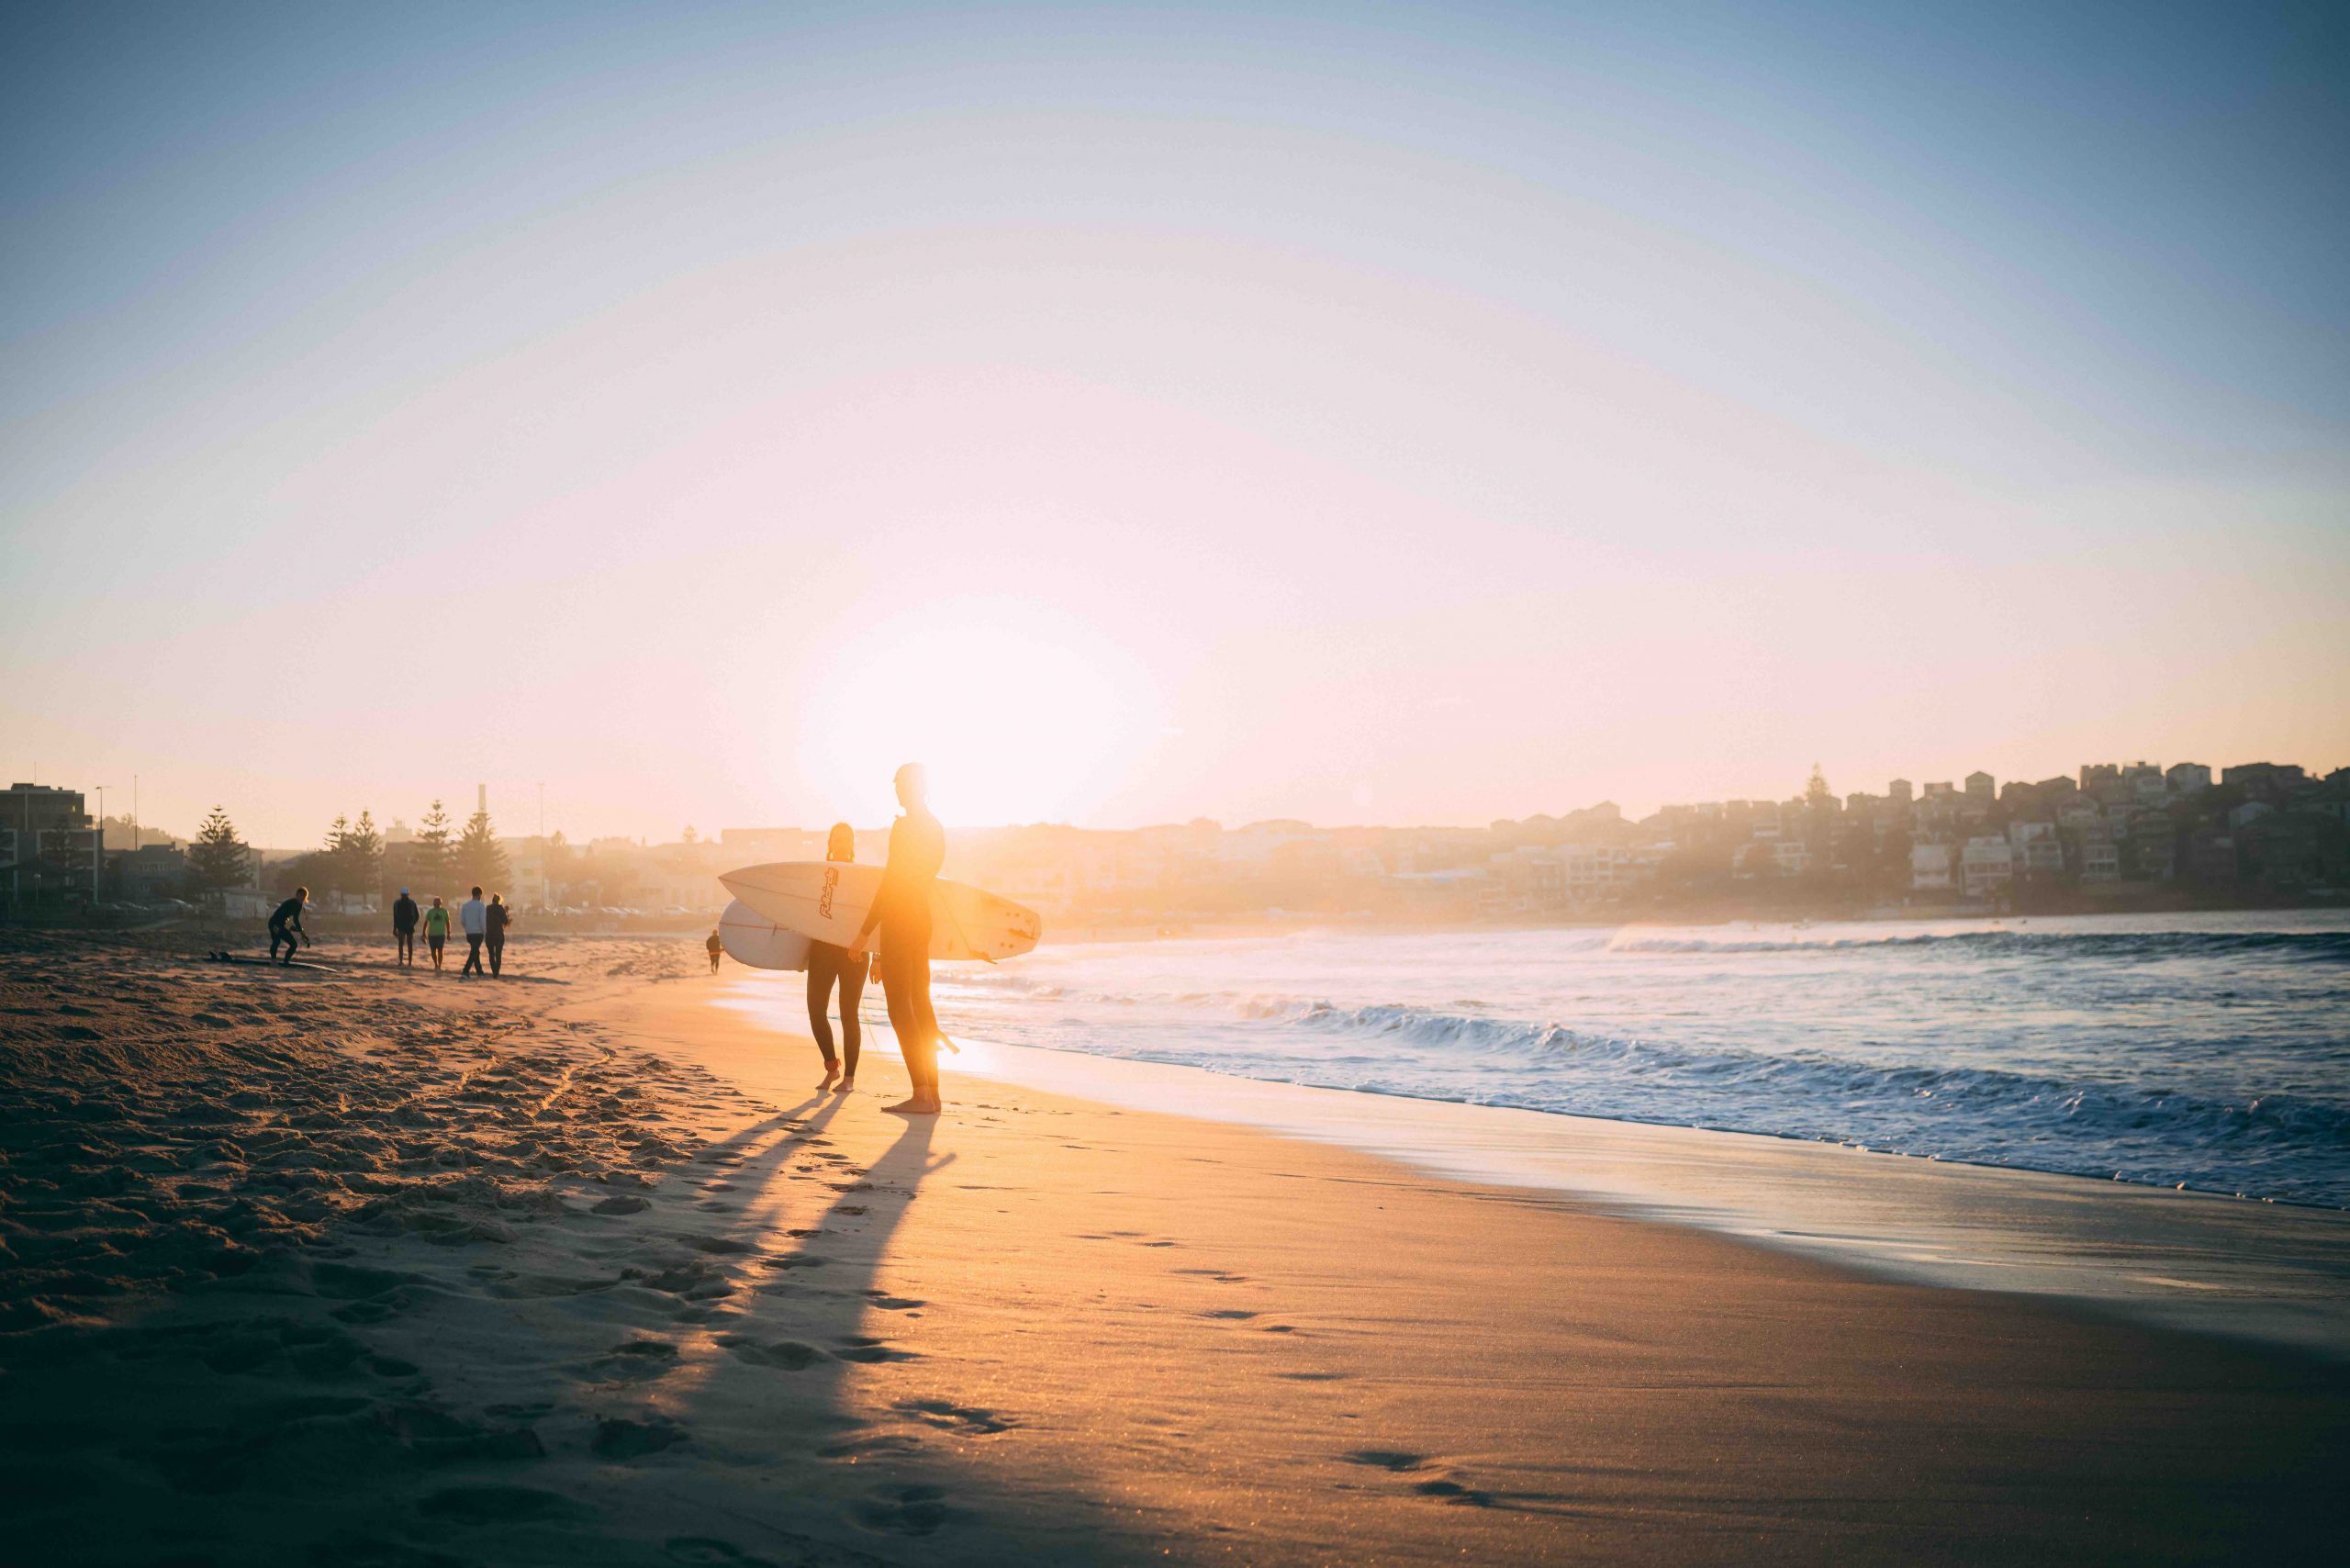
1020 714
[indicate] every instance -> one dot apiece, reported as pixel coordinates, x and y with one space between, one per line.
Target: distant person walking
403 929
436 930
473 915
829 967
285 924
499 915
917 849
716 947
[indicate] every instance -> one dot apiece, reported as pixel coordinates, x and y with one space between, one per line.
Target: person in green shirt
436 929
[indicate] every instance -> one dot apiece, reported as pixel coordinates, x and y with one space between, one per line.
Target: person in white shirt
473 915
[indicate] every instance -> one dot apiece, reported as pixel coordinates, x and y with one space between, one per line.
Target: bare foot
830 1074
848 1086
914 1108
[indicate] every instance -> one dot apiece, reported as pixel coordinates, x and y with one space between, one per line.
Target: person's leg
279 933
473 956
496 956
820 994
897 994
852 1031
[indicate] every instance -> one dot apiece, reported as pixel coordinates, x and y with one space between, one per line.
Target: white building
1989 866
2187 777
2036 847
1929 867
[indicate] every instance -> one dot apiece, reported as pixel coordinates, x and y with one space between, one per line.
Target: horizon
1342 414
386 821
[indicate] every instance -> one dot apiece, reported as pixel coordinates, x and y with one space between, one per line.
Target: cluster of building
2258 830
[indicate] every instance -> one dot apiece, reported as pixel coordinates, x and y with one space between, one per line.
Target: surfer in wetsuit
828 966
285 923
917 849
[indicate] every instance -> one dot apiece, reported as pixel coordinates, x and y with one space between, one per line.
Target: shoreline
2261 1270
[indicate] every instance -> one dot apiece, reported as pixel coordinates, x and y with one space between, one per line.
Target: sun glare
1017 718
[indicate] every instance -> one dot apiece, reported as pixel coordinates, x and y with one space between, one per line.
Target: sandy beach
339 1265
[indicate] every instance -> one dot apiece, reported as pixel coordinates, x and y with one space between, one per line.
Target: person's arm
889 879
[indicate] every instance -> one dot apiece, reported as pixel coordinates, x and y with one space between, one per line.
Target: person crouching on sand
436 930
917 849
285 924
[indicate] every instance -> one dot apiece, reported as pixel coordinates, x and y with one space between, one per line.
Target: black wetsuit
917 849
828 966
283 924
404 927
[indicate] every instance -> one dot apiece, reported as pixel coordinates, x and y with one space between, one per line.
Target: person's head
436 901
497 898
302 893
913 785
476 892
403 893
842 844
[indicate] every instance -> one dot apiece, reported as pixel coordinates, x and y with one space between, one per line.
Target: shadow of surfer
902 912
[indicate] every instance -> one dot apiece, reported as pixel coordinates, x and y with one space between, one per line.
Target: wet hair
841 843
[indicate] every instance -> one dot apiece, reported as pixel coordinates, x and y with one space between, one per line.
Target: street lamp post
98 847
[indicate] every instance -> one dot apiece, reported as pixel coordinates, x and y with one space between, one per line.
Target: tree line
355 858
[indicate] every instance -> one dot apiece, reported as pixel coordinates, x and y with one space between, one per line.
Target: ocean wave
2322 947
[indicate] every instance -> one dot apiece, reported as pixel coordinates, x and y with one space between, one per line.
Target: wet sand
347 1265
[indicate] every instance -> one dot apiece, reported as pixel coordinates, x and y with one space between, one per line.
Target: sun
1019 716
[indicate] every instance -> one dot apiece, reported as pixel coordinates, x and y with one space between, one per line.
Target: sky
1361 413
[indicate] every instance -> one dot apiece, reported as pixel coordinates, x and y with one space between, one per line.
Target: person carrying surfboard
285 924
828 966
902 911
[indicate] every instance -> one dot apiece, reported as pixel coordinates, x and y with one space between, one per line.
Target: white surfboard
750 937
828 899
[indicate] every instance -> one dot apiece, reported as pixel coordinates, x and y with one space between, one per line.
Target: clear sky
1354 412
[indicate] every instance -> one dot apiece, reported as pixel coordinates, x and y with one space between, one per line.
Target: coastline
618 1289
2262 1270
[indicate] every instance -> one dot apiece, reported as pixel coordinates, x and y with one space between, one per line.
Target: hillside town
2112 835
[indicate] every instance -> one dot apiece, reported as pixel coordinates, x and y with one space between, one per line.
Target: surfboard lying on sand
828 899
750 937
219 956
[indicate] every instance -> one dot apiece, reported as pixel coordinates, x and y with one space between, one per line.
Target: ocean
2208 1050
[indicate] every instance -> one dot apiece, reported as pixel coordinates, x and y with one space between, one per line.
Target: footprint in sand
905 1510
951 1417
618 1438
859 1348
1386 1459
634 1361
494 1504
785 1355
1231 1314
